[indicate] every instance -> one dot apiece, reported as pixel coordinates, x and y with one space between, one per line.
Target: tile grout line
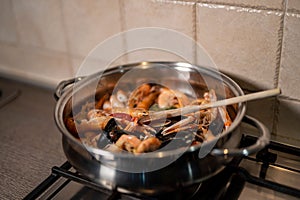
195 32
294 11
123 29
280 44
236 5
278 65
174 2
240 6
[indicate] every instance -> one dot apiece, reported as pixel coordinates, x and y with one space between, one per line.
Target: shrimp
94 124
147 145
148 100
107 106
166 99
115 102
138 95
71 126
180 126
124 119
133 126
96 113
100 103
133 112
128 142
121 96
169 98
225 117
132 144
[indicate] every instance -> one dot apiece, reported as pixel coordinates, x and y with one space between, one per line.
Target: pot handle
261 142
63 84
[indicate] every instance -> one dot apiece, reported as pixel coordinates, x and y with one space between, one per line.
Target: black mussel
181 139
112 131
109 137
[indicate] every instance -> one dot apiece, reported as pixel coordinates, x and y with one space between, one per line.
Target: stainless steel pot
163 171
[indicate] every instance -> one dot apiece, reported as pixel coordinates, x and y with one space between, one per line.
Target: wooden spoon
190 109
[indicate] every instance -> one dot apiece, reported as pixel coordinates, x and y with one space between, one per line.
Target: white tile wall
237 49
289 76
40 24
34 64
165 14
288 127
8 31
293 5
88 65
88 23
243 43
46 41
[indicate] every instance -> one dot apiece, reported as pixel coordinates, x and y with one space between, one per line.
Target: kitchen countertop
30 143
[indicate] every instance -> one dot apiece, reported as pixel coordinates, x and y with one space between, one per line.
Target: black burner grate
226 185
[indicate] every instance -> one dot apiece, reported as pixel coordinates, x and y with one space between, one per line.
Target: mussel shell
176 140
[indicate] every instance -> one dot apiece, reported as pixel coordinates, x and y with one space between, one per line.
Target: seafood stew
112 121
185 157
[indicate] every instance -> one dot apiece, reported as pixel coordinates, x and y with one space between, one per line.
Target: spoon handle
239 99
224 102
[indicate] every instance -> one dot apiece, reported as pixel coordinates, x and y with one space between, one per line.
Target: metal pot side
187 168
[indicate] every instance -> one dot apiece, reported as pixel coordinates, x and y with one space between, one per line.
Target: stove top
7 96
272 173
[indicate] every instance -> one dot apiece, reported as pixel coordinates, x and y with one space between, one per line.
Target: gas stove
272 173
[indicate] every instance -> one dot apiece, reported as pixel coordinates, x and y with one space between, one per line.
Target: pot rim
68 93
